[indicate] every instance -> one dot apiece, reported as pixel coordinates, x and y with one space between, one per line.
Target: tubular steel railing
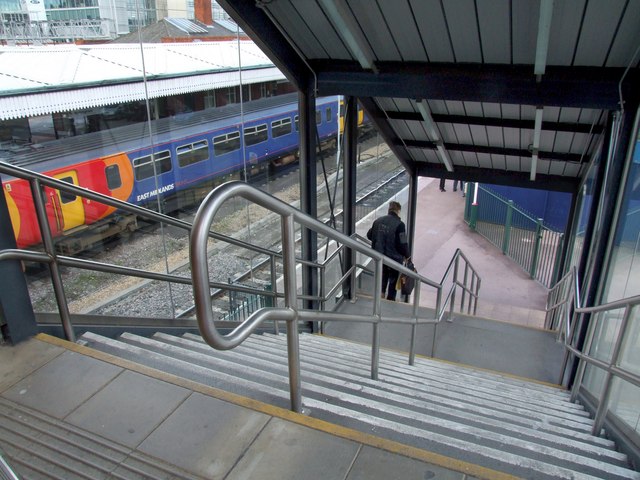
567 316
284 301
524 239
290 311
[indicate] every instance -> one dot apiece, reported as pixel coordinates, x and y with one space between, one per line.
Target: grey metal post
56 277
15 305
308 195
377 312
349 188
291 301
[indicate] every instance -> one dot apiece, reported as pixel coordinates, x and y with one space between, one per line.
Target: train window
255 135
318 117
192 153
112 172
143 168
327 114
226 143
67 197
281 127
296 122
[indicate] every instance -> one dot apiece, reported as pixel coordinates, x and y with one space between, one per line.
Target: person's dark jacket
388 236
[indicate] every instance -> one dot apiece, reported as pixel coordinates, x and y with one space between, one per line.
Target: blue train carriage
191 154
197 157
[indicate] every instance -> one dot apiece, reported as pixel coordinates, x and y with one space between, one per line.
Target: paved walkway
507 293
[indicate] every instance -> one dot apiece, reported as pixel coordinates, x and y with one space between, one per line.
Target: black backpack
407 283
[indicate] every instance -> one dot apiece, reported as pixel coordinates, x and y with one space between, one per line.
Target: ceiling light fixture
542 43
350 31
537 130
432 132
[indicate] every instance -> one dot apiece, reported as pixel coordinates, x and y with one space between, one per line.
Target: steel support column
350 160
16 312
308 190
412 203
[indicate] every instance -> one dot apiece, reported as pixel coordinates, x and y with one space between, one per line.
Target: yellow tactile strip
316 424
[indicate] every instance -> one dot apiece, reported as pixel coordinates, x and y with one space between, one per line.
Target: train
165 164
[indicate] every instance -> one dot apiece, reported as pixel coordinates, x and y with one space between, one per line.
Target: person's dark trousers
389 279
442 185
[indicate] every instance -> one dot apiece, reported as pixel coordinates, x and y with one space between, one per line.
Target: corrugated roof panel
388 39
463 30
599 27
229 25
433 28
495 34
25 67
45 103
186 25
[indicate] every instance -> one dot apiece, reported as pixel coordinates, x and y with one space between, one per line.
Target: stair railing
6 471
290 312
566 315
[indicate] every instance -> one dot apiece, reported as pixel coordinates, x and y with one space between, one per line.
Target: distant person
389 237
455 186
442 185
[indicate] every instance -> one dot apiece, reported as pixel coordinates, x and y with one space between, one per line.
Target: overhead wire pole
349 184
308 198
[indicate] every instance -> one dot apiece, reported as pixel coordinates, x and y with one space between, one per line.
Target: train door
68 207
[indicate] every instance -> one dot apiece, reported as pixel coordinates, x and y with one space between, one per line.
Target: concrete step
436 396
434 391
41 447
453 428
427 404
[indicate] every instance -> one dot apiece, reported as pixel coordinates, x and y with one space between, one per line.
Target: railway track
132 297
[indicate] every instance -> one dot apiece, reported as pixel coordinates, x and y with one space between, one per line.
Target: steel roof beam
498 122
555 183
578 87
512 152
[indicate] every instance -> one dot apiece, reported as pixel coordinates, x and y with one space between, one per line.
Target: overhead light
544 30
350 32
444 156
537 130
534 166
432 131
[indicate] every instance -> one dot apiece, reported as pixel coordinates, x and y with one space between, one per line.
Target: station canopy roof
37 80
516 92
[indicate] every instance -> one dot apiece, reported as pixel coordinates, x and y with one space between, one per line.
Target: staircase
518 427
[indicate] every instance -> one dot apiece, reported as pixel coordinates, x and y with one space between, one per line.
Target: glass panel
625 403
623 279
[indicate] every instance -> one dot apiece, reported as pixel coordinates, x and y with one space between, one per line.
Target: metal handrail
574 311
290 312
6 471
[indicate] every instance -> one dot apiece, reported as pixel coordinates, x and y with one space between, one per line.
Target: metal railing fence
286 301
567 316
291 309
524 239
